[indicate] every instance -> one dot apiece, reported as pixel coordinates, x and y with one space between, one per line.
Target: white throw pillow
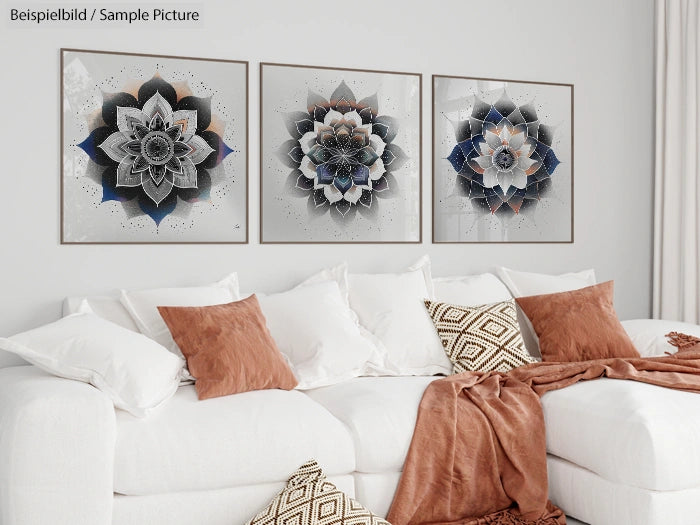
137 373
470 290
318 333
105 306
391 307
337 273
143 305
523 284
649 335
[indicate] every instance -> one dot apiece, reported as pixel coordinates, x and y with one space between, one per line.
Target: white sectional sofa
620 452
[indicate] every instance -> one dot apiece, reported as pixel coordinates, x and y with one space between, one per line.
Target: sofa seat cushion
380 413
627 432
242 439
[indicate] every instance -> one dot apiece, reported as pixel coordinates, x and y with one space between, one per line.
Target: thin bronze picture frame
245 151
419 78
435 158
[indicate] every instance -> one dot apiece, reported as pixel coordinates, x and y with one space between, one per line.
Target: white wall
603 47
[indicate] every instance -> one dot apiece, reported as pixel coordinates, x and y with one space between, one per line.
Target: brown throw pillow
228 348
579 325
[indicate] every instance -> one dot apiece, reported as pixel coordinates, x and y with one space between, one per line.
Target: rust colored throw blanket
478 453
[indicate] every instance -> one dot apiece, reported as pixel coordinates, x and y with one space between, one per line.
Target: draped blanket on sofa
478 453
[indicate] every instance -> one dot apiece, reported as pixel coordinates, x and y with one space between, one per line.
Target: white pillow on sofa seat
318 333
143 305
522 284
390 306
105 306
470 290
137 373
337 273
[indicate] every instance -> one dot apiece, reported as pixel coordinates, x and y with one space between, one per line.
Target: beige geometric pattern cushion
310 499
480 338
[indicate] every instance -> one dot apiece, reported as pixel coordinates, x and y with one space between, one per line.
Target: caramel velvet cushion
228 348
579 325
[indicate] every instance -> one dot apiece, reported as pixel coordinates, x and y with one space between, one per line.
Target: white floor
572 521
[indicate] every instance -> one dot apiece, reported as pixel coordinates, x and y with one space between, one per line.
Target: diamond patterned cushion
310 499
480 338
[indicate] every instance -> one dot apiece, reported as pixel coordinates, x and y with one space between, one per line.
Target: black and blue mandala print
342 152
155 147
503 156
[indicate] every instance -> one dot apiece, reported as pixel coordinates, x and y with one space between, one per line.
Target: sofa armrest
57 441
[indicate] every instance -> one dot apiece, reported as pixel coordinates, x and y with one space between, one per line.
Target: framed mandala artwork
503 160
154 149
340 155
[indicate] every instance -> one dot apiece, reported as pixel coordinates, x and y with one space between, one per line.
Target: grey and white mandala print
154 148
340 156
